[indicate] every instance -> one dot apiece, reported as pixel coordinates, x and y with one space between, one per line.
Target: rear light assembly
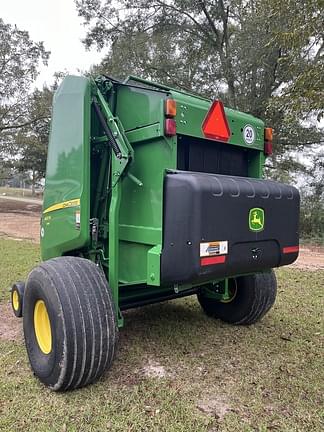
170 111
170 127
268 134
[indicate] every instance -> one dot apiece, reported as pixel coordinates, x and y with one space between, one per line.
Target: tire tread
88 318
257 294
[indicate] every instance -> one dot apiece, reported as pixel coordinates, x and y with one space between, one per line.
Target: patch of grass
260 378
17 259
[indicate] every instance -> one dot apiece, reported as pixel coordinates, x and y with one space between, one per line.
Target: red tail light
268 148
170 127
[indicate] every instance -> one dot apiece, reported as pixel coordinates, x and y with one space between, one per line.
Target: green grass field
178 370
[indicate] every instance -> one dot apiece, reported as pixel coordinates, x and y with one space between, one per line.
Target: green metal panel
146 132
142 205
67 171
136 108
192 111
141 210
133 263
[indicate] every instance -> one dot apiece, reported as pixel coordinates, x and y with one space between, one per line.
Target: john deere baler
151 194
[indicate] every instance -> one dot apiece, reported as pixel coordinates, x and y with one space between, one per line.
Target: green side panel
141 210
67 171
133 262
141 112
142 206
137 108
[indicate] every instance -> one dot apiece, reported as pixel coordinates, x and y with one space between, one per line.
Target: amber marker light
268 134
170 108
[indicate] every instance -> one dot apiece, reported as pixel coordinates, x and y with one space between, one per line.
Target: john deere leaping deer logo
256 219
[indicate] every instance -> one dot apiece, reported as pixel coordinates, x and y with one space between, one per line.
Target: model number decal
63 205
213 248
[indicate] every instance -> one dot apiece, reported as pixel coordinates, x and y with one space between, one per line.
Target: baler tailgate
217 226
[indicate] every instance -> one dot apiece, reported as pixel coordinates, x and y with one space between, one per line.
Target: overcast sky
56 23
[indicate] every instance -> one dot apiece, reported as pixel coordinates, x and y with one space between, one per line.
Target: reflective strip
63 205
290 249
213 260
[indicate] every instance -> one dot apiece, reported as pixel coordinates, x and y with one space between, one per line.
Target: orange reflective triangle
215 125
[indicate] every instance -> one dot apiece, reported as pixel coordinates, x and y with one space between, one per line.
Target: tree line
264 57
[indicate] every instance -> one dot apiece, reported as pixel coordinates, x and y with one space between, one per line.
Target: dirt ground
310 258
20 220
10 326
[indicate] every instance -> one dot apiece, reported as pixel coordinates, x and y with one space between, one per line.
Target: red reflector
170 127
267 148
212 260
290 249
215 125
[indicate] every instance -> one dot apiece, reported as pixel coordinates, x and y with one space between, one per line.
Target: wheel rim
42 327
15 300
232 291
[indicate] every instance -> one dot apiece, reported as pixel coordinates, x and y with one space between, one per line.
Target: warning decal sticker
77 219
213 248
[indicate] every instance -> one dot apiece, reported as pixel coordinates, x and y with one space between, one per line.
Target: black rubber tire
82 320
19 288
254 297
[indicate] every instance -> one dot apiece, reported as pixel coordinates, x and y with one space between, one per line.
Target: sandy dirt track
20 219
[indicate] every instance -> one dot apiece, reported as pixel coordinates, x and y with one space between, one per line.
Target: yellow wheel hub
15 300
42 327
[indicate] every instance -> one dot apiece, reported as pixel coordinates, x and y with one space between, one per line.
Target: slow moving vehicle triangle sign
215 125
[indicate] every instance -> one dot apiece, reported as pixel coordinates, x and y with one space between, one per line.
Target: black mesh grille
208 156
